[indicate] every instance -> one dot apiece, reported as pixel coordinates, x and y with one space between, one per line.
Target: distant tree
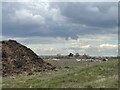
59 56
77 55
71 55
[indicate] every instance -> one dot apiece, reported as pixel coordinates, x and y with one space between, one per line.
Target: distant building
84 57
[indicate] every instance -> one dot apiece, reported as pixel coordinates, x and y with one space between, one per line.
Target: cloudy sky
51 28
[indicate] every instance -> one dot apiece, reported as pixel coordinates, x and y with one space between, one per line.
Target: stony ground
69 74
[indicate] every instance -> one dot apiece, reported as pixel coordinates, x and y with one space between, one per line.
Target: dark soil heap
17 59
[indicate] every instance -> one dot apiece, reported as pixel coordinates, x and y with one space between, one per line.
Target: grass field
69 74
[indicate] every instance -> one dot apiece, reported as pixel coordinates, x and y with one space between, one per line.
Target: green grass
79 75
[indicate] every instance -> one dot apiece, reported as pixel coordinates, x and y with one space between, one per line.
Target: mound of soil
17 59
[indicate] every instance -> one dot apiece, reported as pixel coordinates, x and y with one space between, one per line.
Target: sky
51 28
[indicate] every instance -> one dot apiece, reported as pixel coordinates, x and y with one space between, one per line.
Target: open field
69 74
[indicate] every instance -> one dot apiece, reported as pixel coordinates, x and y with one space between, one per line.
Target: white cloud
24 16
85 47
56 15
108 46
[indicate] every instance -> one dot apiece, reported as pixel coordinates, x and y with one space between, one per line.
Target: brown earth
17 59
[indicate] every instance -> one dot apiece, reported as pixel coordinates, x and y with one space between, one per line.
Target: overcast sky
51 28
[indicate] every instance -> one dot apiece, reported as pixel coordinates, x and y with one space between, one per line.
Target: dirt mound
17 59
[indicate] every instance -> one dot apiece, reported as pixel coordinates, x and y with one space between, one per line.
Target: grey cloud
91 14
81 18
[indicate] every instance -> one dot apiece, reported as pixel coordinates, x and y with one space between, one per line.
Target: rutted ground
77 75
